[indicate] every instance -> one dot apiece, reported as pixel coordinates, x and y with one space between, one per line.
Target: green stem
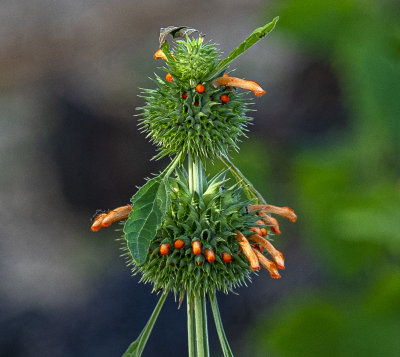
195 170
191 325
220 328
201 326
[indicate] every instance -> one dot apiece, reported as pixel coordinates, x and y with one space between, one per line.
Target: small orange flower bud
224 98
164 249
226 75
160 54
196 247
200 88
226 257
168 77
210 255
264 232
179 243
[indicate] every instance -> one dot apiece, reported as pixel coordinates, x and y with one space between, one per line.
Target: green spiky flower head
195 249
187 111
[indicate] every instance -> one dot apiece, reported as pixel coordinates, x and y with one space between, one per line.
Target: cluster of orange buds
253 252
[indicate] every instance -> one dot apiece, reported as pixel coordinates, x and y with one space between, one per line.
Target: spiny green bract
211 219
178 118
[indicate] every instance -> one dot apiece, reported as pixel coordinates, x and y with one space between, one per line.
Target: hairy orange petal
116 215
97 222
282 211
267 264
239 83
275 253
247 251
160 54
270 221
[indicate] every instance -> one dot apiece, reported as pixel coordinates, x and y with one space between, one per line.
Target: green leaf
150 204
220 328
136 348
248 188
255 36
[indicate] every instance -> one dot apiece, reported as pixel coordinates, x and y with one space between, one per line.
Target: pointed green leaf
255 36
248 188
150 204
136 348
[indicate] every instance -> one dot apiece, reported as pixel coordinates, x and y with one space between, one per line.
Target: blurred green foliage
348 189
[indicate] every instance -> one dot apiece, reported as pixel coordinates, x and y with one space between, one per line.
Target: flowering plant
183 232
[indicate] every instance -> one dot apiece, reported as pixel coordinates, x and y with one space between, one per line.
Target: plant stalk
191 325
197 303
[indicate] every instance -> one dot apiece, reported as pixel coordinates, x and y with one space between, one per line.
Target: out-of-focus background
325 141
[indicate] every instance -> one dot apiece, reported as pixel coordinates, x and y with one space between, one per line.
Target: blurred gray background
325 141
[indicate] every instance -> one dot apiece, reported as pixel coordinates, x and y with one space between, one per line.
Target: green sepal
255 36
136 348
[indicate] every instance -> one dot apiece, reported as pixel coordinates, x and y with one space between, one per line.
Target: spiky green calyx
178 118
211 219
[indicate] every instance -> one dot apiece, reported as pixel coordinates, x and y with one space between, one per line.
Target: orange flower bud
168 77
179 243
210 256
224 98
164 248
200 88
196 247
226 257
160 54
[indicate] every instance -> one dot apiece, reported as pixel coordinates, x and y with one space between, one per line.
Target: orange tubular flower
247 251
160 54
270 221
282 211
106 219
239 83
97 222
267 264
275 253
